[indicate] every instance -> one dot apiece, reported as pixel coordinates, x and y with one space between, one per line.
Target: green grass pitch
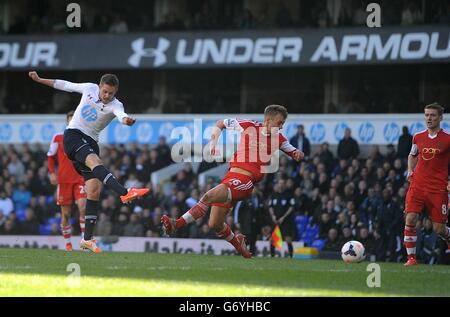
37 272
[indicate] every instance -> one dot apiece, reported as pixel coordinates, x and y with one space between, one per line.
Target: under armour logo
140 51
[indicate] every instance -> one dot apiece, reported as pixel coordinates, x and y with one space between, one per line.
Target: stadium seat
44 229
20 214
301 220
319 244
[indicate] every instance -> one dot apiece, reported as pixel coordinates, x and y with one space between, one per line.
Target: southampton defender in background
70 185
259 141
97 108
428 176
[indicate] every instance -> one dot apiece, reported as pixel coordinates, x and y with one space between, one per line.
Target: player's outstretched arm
290 150
122 116
59 84
48 82
215 136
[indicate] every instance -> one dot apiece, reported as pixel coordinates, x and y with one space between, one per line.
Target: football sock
197 211
92 207
228 235
107 178
410 240
82 226
67 233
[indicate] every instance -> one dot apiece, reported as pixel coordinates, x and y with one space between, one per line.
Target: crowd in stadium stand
335 198
116 17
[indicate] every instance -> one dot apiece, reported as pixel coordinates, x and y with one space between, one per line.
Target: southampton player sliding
428 176
70 185
97 108
259 141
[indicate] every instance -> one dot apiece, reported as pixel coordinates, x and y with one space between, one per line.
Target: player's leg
93 188
66 228
415 202
85 152
218 194
437 205
106 177
79 193
64 199
410 237
223 230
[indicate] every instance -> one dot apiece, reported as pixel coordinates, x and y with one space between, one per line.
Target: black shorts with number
77 147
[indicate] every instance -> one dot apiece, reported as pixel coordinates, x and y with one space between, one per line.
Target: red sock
229 236
82 224
410 240
197 211
67 233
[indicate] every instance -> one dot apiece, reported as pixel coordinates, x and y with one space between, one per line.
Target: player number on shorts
444 209
82 190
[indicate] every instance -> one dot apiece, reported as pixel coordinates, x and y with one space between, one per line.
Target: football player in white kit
97 108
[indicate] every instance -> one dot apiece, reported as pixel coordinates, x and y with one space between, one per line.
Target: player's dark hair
435 106
273 110
110 79
69 114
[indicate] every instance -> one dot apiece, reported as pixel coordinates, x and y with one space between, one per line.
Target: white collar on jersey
433 136
267 134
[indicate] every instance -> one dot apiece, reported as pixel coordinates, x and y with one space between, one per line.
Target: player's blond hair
435 106
273 110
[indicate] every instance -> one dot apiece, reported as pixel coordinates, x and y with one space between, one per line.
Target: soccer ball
353 252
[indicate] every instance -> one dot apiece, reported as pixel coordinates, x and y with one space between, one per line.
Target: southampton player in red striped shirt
428 176
259 141
70 184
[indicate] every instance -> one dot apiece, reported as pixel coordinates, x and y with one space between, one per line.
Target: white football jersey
91 115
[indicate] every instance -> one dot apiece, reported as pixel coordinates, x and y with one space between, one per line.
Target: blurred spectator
367 240
411 14
301 142
6 204
119 226
346 235
325 225
21 197
30 225
332 243
404 144
283 18
134 228
348 148
164 152
427 243
119 26
388 224
325 156
16 168
247 20
391 155
104 226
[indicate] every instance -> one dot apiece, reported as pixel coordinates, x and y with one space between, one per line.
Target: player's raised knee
92 160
